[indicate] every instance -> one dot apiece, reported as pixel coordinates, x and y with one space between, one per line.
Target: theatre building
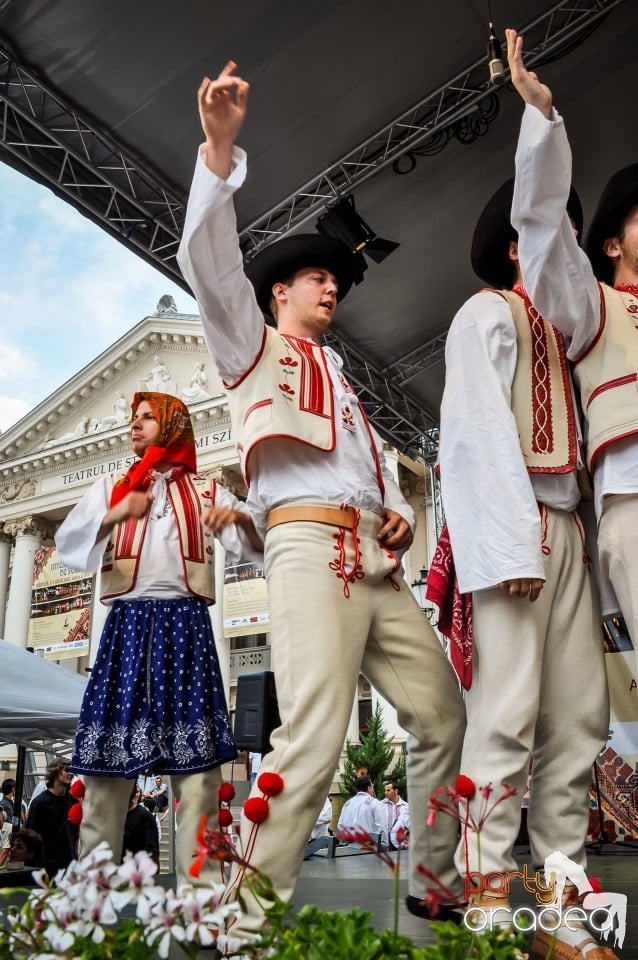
51 457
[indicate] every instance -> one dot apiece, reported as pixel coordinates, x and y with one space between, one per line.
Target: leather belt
333 516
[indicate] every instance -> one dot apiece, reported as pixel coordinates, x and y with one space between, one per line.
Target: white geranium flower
60 940
165 922
200 914
135 878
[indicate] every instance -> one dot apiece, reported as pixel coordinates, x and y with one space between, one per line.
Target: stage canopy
389 104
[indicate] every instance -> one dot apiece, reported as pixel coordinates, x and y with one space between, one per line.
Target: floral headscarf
175 444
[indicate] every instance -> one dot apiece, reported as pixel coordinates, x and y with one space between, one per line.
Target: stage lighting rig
342 222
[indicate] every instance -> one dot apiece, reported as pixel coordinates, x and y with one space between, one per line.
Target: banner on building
614 794
60 608
245 600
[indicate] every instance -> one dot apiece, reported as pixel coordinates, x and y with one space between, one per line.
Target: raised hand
526 82
222 108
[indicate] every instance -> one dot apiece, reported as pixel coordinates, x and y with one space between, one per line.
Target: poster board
245 606
59 627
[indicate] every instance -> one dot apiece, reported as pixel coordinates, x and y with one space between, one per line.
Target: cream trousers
321 640
105 806
539 691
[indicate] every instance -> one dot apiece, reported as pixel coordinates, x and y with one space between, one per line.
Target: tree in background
375 753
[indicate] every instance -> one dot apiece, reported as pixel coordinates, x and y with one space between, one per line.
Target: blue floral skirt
155 698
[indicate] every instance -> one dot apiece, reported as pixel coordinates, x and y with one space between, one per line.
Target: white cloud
12 409
69 290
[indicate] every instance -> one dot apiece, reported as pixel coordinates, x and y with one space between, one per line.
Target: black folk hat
494 232
617 200
277 262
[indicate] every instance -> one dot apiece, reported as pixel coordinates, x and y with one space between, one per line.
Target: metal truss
54 143
544 37
417 361
60 147
399 419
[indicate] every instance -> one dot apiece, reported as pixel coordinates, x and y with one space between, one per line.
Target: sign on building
60 608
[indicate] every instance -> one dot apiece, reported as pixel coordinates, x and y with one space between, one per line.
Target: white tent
39 701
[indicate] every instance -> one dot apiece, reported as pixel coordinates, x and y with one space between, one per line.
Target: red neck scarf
175 444
627 288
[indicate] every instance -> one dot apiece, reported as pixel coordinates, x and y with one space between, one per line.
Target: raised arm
556 272
209 254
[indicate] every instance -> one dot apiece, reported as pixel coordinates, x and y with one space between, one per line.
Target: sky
68 290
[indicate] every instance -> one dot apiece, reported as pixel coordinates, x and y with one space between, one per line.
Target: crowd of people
329 523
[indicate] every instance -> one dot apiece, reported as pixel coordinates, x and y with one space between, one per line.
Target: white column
217 617
5 553
28 533
99 613
353 726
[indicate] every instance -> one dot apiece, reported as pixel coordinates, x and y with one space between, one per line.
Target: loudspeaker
256 711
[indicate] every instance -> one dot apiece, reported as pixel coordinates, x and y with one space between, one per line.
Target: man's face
144 429
64 777
391 793
310 299
623 250
19 850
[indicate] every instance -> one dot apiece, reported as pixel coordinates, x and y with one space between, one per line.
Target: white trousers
539 690
105 806
321 640
618 553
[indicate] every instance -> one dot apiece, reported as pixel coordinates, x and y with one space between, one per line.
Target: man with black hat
598 318
335 520
508 459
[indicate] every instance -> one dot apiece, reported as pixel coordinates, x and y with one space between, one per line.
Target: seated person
27 848
364 812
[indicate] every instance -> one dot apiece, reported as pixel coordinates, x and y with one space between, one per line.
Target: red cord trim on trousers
339 565
397 563
544 522
581 530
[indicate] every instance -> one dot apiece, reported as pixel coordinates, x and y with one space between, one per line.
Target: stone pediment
81 430
160 353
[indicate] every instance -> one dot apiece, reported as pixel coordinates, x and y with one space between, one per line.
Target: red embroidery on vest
125 537
190 505
543 440
312 395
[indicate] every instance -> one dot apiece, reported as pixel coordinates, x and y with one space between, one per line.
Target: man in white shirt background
364 812
393 806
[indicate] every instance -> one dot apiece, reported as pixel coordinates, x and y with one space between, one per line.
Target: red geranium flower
226 792
270 784
225 817
75 814
256 809
77 789
465 787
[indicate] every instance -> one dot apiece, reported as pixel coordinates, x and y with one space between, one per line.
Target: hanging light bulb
495 59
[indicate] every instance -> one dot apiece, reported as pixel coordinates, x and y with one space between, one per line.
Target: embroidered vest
286 394
189 496
606 373
541 395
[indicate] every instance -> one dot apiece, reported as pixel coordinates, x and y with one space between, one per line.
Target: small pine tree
375 753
